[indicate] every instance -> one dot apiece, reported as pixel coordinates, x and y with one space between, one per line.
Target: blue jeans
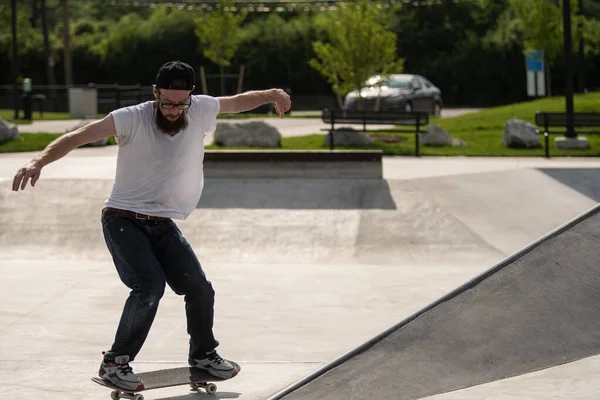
147 256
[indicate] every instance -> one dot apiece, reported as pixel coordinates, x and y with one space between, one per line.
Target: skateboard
163 378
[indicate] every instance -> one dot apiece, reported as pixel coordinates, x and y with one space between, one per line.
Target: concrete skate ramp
338 221
537 309
298 194
584 180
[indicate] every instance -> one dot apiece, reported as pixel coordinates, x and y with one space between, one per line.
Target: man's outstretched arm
60 147
250 100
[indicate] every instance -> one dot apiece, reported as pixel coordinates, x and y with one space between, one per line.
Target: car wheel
437 110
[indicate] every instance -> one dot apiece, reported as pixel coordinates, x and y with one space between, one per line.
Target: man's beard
168 126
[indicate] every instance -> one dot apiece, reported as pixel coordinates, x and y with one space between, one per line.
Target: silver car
400 92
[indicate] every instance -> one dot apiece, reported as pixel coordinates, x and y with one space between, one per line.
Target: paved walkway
304 270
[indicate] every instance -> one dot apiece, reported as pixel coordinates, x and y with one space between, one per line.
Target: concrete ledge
293 155
318 164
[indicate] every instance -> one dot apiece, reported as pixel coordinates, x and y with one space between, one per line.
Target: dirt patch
388 138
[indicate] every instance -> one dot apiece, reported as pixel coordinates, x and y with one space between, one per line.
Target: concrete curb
320 164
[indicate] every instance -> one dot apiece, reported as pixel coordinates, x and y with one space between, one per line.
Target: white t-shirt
158 174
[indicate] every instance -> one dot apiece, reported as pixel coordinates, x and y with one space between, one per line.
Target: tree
68 65
537 24
48 53
275 52
359 46
219 33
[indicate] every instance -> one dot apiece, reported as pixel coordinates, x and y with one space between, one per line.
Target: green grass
8 115
28 142
33 142
478 144
482 131
483 145
493 119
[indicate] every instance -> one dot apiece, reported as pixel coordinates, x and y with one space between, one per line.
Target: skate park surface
305 270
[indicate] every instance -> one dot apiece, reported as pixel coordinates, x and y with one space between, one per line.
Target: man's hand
61 146
31 170
282 102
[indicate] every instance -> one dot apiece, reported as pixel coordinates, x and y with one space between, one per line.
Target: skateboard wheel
211 388
114 395
138 397
195 386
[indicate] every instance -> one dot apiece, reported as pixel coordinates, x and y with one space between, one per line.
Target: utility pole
570 133
15 60
67 45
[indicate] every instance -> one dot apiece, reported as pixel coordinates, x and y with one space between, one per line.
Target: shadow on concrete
584 180
301 194
534 310
203 395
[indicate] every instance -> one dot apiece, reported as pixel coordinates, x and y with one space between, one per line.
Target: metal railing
55 98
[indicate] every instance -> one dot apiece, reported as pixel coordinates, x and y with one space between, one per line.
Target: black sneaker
215 365
118 372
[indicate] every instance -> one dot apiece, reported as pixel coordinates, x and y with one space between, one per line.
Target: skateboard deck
163 378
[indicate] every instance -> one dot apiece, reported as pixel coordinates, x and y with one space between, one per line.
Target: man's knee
150 292
209 290
199 288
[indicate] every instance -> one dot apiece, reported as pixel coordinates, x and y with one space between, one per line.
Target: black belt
137 215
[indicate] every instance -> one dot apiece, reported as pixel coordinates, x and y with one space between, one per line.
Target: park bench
583 122
415 120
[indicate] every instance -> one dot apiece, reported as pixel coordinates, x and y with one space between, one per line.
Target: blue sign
534 60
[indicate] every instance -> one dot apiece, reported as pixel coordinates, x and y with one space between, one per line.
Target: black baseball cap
175 75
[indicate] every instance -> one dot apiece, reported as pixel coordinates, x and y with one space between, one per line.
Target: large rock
249 134
8 131
458 143
437 136
520 134
81 124
348 137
